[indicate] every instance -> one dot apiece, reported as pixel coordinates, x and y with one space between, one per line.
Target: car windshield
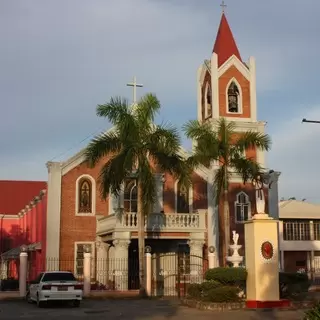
58 276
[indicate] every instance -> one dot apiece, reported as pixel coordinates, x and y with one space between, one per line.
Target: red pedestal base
254 304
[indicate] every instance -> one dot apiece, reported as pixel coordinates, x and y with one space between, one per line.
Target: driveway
133 310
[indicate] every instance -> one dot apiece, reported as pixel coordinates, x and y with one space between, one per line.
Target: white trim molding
206 111
214 85
190 196
253 89
200 77
240 97
93 196
234 61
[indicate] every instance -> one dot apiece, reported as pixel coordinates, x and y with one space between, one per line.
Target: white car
55 286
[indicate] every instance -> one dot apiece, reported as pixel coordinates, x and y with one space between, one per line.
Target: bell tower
227 85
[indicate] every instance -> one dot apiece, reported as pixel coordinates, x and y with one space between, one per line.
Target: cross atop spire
135 85
223 6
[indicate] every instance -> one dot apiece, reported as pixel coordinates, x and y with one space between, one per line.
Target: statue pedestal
262 263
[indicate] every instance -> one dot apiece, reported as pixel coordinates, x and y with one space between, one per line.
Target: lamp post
310 121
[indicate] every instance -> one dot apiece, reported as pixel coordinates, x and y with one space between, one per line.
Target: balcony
156 222
299 235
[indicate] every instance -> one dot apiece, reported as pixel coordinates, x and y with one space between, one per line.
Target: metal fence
106 274
172 273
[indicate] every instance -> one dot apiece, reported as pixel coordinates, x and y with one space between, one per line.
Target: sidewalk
5 295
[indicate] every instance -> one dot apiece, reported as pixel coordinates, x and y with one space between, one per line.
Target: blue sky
60 58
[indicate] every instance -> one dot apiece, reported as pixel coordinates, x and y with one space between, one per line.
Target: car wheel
39 303
76 303
28 297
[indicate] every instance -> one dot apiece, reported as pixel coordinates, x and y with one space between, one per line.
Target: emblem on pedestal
267 250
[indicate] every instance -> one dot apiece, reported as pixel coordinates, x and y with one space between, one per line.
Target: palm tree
138 149
220 142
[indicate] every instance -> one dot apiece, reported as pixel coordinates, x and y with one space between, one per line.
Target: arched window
233 98
85 196
182 199
242 207
130 195
208 101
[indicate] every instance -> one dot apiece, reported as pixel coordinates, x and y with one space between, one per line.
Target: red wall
28 228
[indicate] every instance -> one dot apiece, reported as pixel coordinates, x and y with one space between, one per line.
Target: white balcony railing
127 221
301 231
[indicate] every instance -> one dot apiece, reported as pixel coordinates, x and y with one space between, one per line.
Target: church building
182 220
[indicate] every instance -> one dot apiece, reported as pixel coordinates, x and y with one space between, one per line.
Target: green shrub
199 290
222 294
208 285
194 291
227 276
313 314
293 285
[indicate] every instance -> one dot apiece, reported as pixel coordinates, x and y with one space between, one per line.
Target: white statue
235 237
260 199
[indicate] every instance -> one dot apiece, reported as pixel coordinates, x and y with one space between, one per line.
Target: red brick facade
83 228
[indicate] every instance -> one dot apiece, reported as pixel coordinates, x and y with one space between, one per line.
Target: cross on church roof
135 86
223 5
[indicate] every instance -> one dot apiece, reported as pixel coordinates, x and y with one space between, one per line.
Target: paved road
133 310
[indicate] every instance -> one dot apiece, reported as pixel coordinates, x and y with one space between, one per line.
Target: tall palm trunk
141 235
226 225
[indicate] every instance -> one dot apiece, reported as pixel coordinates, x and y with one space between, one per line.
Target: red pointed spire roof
225 45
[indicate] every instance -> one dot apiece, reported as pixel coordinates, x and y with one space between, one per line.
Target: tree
220 142
137 148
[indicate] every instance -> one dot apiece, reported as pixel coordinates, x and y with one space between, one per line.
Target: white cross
135 86
223 5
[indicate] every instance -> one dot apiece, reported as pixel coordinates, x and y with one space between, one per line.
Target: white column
53 214
312 264
212 260
23 274
158 205
86 273
215 85
120 264
148 274
102 262
196 260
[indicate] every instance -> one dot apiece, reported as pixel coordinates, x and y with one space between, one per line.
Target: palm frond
114 110
114 172
226 130
251 139
164 138
100 146
118 112
206 141
195 130
248 169
147 108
